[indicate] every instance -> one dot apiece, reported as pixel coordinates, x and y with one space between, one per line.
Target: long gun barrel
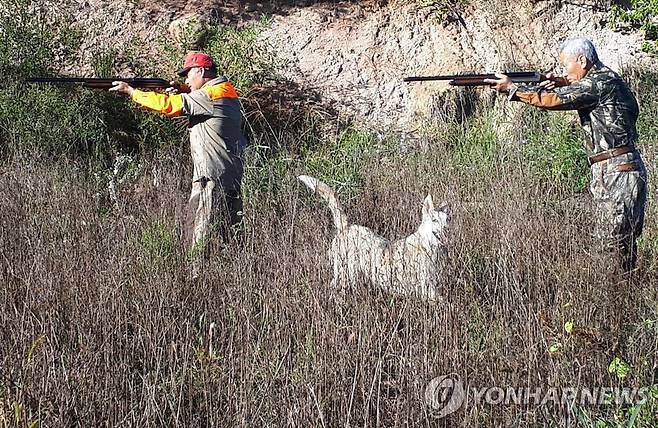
98 83
478 79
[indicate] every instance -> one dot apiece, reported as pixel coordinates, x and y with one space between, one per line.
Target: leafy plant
554 151
442 8
37 37
641 14
555 348
568 327
90 126
157 247
237 52
341 162
619 368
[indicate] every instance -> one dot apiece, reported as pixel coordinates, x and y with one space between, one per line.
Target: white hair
580 46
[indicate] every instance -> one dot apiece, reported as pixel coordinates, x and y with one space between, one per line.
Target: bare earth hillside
356 53
361 57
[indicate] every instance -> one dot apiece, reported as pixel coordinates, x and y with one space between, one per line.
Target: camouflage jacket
607 108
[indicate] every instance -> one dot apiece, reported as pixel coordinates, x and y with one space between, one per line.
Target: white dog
412 265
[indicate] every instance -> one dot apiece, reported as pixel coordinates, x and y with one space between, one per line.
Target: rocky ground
359 58
355 53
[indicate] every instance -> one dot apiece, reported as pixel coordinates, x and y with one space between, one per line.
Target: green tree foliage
37 37
243 60
62 121
642 14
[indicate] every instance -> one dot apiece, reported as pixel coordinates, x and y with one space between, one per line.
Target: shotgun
98 83
478 79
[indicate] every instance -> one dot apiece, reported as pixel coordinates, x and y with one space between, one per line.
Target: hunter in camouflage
608 113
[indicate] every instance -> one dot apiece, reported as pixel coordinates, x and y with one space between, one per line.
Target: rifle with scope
99 83
478 79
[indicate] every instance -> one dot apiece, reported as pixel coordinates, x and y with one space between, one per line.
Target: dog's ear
428 206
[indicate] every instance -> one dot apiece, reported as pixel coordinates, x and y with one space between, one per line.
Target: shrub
553 151
640 14
37 37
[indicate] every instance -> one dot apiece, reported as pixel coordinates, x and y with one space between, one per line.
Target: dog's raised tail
328 194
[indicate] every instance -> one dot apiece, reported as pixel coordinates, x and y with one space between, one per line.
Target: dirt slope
356 53
358 58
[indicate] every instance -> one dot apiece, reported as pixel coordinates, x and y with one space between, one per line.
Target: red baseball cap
196 59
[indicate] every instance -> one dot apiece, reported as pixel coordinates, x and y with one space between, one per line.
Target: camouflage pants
211 209
619 194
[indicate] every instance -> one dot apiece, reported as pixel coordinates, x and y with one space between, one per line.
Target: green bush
339 160
442 8
342 162
37 37
645 83
550 149
476 148
48 122
238 55
641 14
157 246
554 151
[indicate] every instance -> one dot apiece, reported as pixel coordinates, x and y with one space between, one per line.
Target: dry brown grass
100 325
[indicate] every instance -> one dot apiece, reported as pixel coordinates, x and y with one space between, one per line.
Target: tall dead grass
101 326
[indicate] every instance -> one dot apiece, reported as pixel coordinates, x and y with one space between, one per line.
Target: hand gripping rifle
97 83
478 79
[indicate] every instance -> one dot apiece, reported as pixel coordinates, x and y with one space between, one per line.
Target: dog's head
434 220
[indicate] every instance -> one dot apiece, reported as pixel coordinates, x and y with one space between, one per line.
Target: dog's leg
340 279
335 281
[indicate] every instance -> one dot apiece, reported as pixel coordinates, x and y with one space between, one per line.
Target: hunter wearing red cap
216 142
196 59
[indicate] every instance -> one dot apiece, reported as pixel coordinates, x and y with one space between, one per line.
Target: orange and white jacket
215 121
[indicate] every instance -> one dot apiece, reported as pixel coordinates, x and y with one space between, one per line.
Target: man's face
574 67
194 78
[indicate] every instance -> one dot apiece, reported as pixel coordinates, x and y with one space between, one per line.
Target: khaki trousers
210 210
